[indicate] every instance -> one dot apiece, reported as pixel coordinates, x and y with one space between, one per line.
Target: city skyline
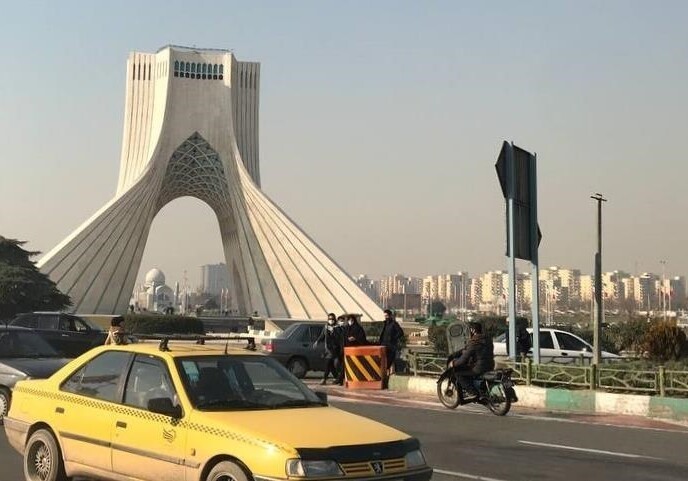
417 98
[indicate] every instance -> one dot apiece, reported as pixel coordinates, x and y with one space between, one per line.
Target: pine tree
23 288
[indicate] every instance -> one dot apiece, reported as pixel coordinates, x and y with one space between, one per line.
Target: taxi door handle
121 424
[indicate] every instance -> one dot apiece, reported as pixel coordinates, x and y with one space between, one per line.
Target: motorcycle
495 389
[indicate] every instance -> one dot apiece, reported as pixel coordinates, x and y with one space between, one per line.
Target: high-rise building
451 289
214 278
369 286
645 291
493 287
398 284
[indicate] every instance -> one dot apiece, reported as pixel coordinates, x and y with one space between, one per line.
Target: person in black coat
476 358
340 336
355 335
352 334
390 337
333 347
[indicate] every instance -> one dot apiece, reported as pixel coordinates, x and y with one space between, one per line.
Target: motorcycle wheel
448 392
497 400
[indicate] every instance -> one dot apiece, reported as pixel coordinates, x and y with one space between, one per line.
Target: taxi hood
305 428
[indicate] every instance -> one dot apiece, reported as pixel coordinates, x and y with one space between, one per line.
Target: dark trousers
465 378
340 369
391 355
331 368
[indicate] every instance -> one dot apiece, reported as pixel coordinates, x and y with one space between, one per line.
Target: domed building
154 295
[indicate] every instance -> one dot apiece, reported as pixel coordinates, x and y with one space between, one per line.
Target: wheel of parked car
42 458
227 471
298 367
5 398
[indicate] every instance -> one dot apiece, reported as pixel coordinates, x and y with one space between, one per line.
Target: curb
564 400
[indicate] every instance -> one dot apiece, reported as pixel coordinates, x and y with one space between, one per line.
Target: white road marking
588 450
435 406
465 475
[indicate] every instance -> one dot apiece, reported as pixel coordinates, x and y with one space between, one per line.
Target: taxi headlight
414 459
312 469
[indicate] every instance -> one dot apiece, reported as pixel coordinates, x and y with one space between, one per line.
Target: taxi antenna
226 346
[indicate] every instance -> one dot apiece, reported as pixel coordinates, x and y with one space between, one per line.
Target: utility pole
597 354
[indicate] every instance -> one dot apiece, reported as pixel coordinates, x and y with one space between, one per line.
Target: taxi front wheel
42 458
227 471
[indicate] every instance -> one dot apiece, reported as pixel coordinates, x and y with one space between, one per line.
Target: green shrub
664 341
147 324
438 337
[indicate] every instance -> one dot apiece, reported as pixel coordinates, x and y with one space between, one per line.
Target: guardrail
606 377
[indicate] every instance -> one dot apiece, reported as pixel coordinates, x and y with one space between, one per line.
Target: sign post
516 170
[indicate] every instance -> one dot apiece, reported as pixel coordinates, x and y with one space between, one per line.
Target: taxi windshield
234 383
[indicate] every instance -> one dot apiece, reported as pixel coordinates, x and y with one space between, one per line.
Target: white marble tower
191 129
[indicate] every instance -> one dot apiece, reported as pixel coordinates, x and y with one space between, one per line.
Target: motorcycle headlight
414 459
312 469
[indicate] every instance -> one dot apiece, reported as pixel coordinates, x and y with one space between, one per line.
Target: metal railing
659 381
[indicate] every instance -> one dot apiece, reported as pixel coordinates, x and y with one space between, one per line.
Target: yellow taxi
196 412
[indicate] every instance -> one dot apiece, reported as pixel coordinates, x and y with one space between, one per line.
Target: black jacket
523 341
477 355
357 333
333 340
391 334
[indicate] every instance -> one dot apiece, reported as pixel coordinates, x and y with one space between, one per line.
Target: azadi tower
191 129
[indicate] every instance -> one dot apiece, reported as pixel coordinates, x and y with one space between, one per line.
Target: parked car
294 348
556 346
209 412
70 335
23 355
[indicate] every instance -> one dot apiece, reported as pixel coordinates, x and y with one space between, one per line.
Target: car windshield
24 344
231 383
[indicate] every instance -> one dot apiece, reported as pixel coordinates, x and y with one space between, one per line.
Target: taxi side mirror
164 406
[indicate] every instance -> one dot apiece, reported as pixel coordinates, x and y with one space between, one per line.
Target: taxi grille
366 468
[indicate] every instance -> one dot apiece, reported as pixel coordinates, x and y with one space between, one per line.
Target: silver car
23 355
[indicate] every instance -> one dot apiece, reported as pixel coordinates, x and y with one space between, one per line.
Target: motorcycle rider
476 358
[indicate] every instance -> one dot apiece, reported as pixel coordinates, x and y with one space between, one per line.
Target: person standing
390 338
355 335
340 336
352 335
332 347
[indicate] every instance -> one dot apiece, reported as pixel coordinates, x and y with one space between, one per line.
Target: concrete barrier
564 400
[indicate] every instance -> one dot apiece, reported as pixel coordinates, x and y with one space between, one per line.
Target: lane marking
588 450
435 406
465 475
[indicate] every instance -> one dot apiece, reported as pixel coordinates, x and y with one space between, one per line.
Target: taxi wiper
230 404
298 403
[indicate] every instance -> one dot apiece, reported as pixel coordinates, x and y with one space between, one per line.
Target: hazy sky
380 125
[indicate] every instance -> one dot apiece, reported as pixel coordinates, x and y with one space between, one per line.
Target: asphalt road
523 446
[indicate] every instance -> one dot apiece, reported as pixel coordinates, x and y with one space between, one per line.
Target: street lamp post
662 290
597 354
